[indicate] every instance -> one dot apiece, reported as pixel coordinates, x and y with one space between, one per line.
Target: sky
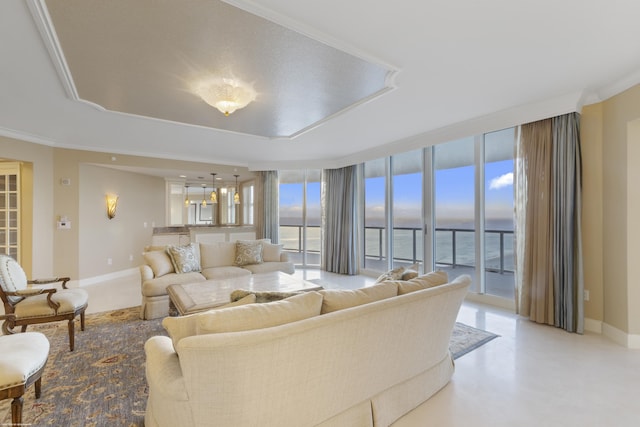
454 192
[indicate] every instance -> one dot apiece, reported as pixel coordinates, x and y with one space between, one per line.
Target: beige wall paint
620 310
141 200
591 144
633 225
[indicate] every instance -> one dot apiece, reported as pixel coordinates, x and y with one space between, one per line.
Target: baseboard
105 277
621 337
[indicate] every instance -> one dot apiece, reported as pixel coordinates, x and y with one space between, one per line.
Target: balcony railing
454 246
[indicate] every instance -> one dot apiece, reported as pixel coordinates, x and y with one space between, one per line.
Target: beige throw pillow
160 262
271 252
258 316
248 252
185 326
185 258
334 299
395 274
429 280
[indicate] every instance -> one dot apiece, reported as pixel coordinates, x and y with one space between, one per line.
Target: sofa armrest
146 273
284 256
164 374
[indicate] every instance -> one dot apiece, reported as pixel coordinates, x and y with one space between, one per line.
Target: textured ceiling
459 68
142 57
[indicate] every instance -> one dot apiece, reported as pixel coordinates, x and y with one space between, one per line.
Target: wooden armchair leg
38 387
71 334
16 411
82 321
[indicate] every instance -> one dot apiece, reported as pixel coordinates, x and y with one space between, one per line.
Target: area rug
102 382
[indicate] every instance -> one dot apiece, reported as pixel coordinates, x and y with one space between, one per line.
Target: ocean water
405 240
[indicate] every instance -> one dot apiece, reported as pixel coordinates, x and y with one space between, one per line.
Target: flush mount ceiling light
225 94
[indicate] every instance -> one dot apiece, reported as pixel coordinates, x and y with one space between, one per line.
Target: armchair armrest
30 292
47 281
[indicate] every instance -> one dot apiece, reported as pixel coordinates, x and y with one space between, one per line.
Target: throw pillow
429 280
160 262
271 252
248 252
395 274
258 316
261 297
334 299
410 272
185 326
185 258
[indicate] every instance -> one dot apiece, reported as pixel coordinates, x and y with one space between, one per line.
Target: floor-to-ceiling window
406 208
300 215
454 201
375 215
498 213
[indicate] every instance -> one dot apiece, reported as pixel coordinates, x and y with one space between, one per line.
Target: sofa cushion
429 280
160 262
224 272
219 254
258 316
338 299
158 286
271 252
185 326
248 252
186 258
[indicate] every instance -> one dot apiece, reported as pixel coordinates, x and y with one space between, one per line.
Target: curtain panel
339 220
549 278
267 206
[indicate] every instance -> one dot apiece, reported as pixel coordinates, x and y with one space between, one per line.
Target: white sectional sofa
197 262
329 358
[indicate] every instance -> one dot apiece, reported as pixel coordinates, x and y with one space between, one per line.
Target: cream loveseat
197 262
314 359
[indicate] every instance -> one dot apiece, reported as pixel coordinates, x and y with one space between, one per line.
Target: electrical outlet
586 294
109 261
130 257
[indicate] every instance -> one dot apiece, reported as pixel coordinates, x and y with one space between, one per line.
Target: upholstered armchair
22 361
31 304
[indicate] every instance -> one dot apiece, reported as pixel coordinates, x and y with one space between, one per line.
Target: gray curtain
548 231
339 220
266 220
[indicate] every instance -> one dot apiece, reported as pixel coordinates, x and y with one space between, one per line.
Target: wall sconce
112 205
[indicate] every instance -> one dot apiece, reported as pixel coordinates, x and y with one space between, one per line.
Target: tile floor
532 375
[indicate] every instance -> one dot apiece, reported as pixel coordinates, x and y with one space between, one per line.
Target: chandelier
225 94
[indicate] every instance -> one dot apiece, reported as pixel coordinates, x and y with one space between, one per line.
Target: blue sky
454 194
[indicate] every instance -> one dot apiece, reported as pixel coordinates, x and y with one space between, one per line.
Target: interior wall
591 145
633 225
620 310
111 245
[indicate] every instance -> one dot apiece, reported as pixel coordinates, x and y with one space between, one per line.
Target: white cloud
501 181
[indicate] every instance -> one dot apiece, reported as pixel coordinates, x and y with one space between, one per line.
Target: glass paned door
10 209
407 208
454 193
375 215
498 213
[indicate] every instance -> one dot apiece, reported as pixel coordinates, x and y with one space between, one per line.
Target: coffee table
194 297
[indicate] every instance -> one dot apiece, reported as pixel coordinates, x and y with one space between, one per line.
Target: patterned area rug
102 382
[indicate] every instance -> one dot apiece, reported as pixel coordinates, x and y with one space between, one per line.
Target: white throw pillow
271 252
